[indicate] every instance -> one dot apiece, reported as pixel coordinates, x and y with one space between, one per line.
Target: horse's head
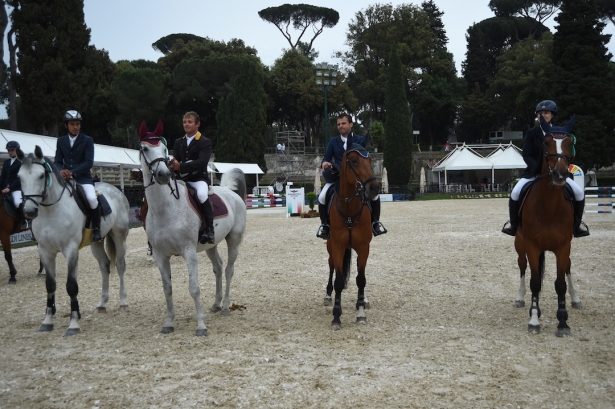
36 176
557 148
153 153
359 171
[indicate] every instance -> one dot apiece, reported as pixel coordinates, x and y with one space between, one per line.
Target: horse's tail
110 247
235 180
347 255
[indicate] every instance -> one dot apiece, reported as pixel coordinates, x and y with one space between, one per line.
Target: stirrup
376 226
25 224
208 236
510 230
581 233
323 231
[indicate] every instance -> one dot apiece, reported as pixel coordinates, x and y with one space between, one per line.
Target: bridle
155 141
359 190
557 136
46 183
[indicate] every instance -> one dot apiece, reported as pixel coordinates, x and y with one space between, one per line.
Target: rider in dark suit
75 158
191 155
532 153
9 181
334 153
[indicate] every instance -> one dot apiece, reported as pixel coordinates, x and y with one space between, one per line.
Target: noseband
557 136
359 184
155 141
46 182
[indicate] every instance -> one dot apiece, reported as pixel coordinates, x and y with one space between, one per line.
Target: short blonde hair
193 114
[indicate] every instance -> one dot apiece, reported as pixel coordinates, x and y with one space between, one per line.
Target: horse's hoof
201 332
519 304
225 313
328 301
102 310
367 305
12 280
123 308
361 320
72 331
167 330
577 305
336 327
563 332
215 309
45 328
533 329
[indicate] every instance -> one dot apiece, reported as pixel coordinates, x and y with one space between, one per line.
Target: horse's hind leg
116 250
104 265
164 266
49 261
5 239
232 243
522 262
216 263
574 298
563 266
534 258
328 301
192 263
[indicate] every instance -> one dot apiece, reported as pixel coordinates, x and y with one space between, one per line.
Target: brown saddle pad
217 204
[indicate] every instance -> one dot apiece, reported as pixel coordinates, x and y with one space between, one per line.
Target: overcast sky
127 28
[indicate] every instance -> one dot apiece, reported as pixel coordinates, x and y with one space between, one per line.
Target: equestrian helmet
546 105
12 145
72 115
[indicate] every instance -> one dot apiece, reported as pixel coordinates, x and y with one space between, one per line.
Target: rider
75 158
335 151
533 156
9 182
191 156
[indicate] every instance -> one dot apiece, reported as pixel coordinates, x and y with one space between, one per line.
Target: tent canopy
509 158
247 168
463 158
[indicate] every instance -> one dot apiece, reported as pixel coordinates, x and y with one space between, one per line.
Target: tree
533 11
582 82
397 127
4 22
302 17
165 44
242 118
435 22
57 66
606 9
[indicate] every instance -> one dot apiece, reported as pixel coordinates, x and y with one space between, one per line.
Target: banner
23 237
577 175
295 200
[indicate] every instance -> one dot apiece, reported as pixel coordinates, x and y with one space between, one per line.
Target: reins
152 181
43 195
546 155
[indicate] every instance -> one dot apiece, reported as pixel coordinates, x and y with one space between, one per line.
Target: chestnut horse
547 225
351 228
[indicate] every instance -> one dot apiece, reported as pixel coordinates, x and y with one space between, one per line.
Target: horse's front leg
164 265
104 265
49 261
522 262
192 263
563 266
535 287
328 301
72 288
216 264
229 271
362 256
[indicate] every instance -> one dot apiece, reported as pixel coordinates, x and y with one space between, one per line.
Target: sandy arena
442 330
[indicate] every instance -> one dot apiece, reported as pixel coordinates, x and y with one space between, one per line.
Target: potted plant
311 198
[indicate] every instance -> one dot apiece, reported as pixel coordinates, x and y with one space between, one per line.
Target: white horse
172 226
58 227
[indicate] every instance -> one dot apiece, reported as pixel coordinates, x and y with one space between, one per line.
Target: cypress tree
241 118
397 126
582 82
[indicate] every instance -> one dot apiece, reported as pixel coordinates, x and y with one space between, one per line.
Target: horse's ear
568 127
20 154
142 130
159 128
38 152
546 128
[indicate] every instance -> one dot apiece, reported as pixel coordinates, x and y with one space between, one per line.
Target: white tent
509 158
247 168
462 158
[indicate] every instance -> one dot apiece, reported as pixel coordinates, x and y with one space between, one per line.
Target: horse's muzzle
30 213
372 189
162 175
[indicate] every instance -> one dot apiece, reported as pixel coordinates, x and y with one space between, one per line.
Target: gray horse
58 225
173 228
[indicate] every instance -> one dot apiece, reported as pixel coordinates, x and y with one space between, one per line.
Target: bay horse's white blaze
58 227
173 227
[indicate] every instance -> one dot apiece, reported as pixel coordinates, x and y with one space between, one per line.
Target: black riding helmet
72 115
12 145
547 105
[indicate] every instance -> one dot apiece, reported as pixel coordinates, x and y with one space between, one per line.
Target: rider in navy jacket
10 183
330 165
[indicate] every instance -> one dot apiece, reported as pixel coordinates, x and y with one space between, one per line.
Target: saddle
220 209
82 202
9 206
567 191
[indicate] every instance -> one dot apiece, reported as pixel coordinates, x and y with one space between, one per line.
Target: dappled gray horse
58 227
173 226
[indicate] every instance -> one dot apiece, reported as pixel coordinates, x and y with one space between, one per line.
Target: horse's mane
30 159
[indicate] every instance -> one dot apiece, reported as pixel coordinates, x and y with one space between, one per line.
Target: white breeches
90 194
17 199
578 192
201 190
323 194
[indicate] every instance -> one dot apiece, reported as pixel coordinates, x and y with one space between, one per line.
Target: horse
173 226
351 228
58 225
9 225
547 225
137 175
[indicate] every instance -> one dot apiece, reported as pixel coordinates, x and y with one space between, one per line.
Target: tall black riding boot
377 227
96 224
208 217
323 230
513 213
579 206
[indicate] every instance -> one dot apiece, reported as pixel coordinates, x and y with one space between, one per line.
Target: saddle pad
217 204
9 206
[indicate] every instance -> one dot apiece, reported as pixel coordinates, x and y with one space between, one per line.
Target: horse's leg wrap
51 303
74 306
562 315
535 306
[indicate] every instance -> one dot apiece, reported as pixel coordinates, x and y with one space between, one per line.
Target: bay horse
9 224
351 228
173 226
58 225
547 225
